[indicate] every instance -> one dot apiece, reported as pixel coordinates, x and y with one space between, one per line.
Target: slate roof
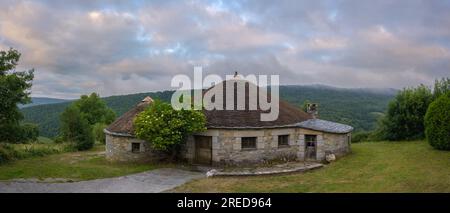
325 126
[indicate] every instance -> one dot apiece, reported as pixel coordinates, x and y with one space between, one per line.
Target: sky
122 47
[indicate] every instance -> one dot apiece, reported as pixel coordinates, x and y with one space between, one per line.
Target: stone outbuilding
236 137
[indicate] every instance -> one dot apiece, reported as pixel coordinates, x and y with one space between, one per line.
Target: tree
437 123
98 132
89 112
29 132
165 128
75 128
14 89
404 119
95 109
441 87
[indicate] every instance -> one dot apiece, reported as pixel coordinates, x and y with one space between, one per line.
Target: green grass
83 165
372 167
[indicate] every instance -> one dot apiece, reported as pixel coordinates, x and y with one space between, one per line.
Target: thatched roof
231 119
236 119
124 124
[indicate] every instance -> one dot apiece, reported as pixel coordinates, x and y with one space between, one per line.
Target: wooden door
203 149
310 147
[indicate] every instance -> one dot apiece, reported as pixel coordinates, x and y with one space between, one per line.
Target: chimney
312 109
147 99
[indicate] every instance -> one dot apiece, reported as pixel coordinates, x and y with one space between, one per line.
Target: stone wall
338 144
226 145
118 149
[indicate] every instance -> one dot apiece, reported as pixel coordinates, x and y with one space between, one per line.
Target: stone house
239 137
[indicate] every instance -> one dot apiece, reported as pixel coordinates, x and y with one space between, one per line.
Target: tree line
416 113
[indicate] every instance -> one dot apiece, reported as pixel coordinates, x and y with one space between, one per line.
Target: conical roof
124 124
289 115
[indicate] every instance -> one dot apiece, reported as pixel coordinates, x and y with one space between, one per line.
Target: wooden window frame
286 144
244 140
314 141
133 150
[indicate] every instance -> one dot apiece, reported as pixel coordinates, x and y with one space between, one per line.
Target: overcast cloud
120 47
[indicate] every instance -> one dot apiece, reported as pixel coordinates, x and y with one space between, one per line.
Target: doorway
310 147
203 149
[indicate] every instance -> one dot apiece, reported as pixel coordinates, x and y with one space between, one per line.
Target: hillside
356 107
35 101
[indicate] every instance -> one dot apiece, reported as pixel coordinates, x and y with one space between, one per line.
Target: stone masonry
226 145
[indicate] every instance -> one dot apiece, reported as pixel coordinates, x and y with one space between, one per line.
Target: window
135 147
310 140
248 143
283 140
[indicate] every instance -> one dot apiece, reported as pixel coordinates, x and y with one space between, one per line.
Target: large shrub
166 128
29 132
75 128
360 136
404 119
437 123
83 121
7 153
98 132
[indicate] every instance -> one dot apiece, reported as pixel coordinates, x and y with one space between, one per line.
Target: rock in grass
330 158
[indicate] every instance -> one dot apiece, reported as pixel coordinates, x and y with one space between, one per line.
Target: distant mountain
42 100
386 91
357 107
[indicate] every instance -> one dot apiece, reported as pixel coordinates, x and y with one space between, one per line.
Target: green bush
75 128
30 132
85 139
58 139
166 128
360 136
404 119
7 153
98 132
437 123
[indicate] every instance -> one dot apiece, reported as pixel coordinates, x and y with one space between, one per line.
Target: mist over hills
35 101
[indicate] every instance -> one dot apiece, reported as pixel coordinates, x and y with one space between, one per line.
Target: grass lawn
372 167
73 166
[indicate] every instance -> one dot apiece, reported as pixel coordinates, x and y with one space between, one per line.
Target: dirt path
153 181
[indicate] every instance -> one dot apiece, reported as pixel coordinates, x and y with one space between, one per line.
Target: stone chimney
147 99
312 109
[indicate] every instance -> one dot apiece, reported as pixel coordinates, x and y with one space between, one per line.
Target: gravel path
152 181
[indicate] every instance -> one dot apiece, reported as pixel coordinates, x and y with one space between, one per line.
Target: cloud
118 47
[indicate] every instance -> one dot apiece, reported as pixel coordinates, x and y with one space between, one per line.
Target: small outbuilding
239 137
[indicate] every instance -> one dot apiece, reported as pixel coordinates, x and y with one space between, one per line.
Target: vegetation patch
83 165
42 147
